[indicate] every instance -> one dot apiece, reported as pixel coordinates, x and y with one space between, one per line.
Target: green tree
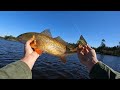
10 37
103 43
1 37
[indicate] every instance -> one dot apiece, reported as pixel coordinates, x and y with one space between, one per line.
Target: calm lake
50 67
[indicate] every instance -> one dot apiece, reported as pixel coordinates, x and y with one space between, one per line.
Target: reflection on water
50 67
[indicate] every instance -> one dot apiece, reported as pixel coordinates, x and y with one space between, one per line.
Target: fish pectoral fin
34 47
33 44
63 59
38 51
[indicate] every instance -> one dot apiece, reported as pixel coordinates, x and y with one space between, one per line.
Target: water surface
50 67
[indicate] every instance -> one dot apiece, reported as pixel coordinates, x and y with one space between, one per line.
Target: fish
45 42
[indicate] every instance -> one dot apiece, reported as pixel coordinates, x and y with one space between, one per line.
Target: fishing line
77 30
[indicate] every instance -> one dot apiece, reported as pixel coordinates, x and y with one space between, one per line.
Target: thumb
30 40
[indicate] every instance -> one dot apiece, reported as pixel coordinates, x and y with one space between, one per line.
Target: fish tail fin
63 59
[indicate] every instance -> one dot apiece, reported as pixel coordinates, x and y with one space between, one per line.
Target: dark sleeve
16 70
102 71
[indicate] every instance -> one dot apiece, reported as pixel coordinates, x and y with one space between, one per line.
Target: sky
69 25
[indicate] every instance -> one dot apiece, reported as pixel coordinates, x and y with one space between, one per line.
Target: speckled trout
44 41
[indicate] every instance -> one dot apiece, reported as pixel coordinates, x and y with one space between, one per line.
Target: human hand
31 55
30 47
87 56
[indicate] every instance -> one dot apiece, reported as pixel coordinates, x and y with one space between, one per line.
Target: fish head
23 38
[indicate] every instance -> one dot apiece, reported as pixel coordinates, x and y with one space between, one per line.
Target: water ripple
48 66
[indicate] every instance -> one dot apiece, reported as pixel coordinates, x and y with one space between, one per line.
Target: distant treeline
10 37
108 50
103 49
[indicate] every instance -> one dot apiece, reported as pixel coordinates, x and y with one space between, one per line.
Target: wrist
30 59
34 55
91 64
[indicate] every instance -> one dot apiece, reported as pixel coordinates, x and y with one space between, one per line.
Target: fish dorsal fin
46 32
60 40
